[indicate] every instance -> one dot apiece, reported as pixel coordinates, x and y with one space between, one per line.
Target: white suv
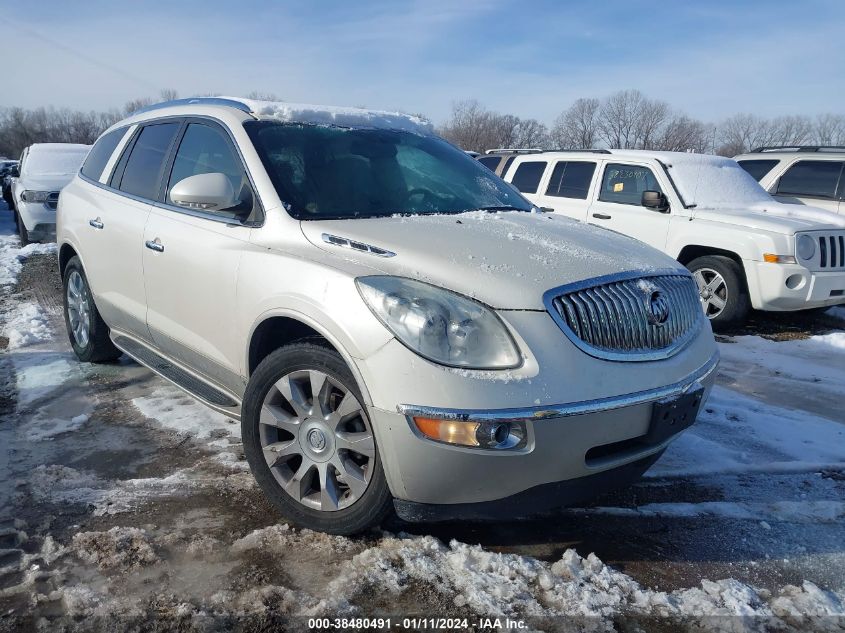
812 174
392 324
744 248
44 169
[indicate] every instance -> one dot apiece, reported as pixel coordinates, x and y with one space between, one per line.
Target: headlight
805 246
440 325
35 196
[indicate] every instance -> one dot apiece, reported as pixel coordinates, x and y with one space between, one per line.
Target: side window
625 184
528 175
571 179
206 150
758 168
100 154
142 173
506 165
490 162
817 178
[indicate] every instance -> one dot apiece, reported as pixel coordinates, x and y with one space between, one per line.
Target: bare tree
169 94
577 126
829 129
683 134
619 118
263 96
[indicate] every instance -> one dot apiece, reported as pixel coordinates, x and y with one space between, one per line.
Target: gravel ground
125 505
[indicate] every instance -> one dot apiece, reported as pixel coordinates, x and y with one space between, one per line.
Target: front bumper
789 287
566 443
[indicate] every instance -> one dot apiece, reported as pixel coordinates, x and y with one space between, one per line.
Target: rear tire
22 232
722 290
88 333
285 425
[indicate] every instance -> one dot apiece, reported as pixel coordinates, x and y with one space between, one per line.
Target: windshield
328 172
708 182
58 162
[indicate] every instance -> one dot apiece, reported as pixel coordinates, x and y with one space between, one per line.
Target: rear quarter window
815 178
758 168
100 154
490 162
527 176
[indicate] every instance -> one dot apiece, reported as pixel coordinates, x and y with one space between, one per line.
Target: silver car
394 326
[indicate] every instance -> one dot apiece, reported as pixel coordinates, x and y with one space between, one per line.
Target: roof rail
798 148
586 151
214 101
509 150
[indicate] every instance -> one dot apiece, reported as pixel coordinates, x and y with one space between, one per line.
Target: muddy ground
113 516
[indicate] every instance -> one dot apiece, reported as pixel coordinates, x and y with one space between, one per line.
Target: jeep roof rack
585 151
511 150
797 148
213 101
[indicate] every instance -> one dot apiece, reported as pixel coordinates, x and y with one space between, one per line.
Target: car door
617 203
568 188
112 230
191 258
811 182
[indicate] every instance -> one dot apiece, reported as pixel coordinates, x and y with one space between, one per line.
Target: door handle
155 245
601 216
97 224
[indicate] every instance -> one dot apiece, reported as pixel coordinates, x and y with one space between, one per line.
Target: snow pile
27 324
280 539
496 584
11 255
118 548
340 116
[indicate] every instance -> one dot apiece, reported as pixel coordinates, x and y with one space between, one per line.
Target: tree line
627 119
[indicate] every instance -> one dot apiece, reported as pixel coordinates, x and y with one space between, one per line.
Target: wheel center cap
316 439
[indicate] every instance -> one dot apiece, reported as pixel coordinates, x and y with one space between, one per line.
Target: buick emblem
657 308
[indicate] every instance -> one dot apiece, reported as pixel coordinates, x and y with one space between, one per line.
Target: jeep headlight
805 247
35 196
440 325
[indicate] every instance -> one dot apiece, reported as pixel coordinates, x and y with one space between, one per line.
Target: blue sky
531 58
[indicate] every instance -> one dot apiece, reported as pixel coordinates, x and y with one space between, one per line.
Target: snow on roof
337 115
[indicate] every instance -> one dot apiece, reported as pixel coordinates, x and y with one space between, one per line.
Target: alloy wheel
317 440
79 312
712 291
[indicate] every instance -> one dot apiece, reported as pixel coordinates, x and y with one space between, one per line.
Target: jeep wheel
310 443
721 289
88 333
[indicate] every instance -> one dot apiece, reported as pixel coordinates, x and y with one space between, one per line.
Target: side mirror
212 192
655 200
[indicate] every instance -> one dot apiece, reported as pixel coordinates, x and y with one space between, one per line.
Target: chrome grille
832 251
640 317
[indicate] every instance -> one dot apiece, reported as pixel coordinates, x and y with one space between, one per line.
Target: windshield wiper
501 208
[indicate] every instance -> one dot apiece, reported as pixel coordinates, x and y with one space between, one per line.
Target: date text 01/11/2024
416 624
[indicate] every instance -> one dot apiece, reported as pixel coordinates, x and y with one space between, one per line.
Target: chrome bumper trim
565 410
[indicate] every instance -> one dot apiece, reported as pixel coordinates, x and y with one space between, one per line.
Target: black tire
737 302
22 232
374 505
98 348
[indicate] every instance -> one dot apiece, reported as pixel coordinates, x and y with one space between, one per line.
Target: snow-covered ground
123 502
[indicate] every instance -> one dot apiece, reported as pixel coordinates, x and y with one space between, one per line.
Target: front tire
22 232
722 291
88 333
310 443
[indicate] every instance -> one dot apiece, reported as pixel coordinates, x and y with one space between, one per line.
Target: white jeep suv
393 325
44 169
744 248
805 174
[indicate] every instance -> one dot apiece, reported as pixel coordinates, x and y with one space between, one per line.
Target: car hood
774 217
506 260
46 182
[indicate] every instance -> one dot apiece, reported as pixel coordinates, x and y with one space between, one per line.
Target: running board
178 376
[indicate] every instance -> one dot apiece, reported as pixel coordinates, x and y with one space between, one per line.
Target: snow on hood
55 159
775 218
39 182
337 115
506 260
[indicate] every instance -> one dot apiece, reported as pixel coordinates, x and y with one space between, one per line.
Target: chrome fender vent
345 242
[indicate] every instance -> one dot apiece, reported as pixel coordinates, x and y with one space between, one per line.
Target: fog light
495 435
795 282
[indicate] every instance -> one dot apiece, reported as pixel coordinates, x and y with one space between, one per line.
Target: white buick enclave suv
393 325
